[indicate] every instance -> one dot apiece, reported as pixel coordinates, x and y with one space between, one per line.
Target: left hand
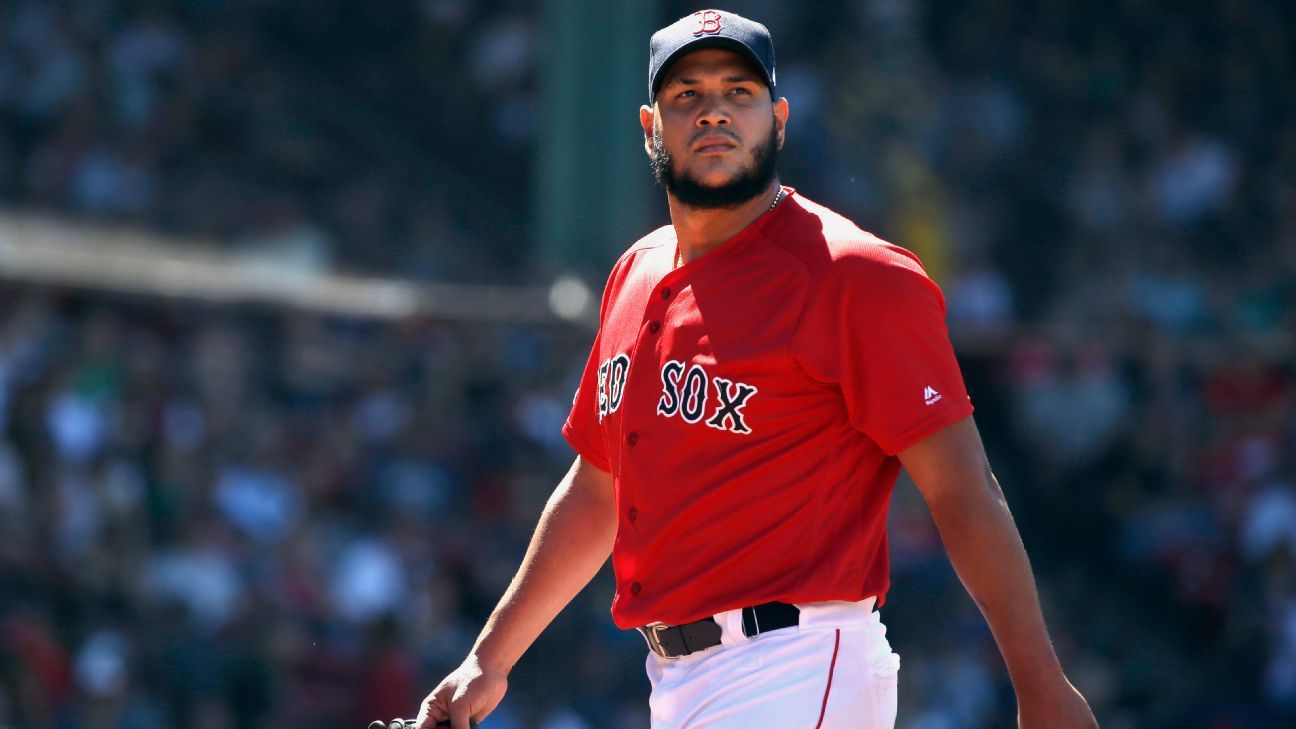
1060 706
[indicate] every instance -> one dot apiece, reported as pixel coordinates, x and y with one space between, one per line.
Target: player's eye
687 93
740 90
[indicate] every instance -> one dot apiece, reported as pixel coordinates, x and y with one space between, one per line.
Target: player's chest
707 351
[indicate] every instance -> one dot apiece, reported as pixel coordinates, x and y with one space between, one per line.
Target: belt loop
731 624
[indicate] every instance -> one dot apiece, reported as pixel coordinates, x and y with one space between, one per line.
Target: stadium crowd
237 517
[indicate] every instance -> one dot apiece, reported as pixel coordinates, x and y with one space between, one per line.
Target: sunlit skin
712 110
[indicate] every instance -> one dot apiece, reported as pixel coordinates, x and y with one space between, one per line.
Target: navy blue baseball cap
709 29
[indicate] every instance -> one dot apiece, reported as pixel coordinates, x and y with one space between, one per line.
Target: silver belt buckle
649 632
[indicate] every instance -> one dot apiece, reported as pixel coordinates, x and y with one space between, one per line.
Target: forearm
987 553
571 542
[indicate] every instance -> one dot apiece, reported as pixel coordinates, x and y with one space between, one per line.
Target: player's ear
780 118
646 121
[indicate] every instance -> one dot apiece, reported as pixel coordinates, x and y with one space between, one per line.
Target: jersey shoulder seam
860 237
805 271
655 239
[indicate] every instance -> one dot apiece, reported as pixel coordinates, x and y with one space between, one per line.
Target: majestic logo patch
611 384
708 22
686 394
930 396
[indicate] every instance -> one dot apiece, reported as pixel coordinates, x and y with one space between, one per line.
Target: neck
699 231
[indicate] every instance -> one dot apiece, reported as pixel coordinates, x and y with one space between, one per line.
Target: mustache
715 132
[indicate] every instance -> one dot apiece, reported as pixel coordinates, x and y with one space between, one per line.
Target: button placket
642 341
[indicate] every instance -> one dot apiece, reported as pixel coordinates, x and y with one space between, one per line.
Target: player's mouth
714 144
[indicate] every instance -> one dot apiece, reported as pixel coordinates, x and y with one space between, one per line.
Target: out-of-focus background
294 295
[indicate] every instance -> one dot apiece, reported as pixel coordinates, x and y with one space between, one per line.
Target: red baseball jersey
750 405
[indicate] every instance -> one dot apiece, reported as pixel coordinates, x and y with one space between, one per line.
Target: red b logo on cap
708 22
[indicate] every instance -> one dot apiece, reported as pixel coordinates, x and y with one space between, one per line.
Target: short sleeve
874 327
582 429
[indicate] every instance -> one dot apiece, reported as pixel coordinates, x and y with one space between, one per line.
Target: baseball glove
411 723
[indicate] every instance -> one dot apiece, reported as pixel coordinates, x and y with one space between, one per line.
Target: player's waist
732 627
682 589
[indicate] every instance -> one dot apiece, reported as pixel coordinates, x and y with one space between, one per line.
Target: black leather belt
675 641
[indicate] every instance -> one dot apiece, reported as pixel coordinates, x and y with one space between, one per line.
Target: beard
692 193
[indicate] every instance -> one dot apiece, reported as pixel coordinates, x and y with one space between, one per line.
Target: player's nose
713 112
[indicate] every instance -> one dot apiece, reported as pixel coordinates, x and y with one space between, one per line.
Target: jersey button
632 514
666 293
635 588
632 438
654 326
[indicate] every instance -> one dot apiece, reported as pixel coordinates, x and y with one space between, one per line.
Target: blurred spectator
1193 178
1071 406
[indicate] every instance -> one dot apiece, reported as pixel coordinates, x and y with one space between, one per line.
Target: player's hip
834 669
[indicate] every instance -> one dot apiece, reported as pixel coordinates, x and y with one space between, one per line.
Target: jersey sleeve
582 429
875 329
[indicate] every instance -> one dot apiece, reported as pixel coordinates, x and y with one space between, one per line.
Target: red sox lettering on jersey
749 405
686 395
687 392
611 384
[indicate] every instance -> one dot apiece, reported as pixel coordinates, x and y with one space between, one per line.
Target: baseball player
762 371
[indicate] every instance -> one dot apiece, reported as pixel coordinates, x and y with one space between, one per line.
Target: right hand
471 691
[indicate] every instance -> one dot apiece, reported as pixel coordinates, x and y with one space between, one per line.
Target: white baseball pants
835 670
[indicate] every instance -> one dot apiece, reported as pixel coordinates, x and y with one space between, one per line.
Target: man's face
714 133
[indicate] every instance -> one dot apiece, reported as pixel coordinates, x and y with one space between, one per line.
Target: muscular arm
571 542
951 471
